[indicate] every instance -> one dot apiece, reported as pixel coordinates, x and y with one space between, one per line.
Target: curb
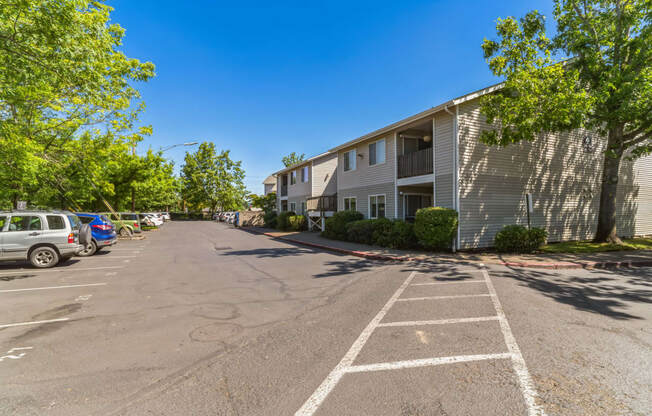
535 265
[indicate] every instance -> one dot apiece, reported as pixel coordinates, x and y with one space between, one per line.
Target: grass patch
580 247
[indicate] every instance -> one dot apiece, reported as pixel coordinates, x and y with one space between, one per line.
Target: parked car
45 238
103 233
125 224
155 218
166 216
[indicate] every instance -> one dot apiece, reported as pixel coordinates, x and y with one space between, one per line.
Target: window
377 206
56 222
350 204
293 177
3 220
24 223
293 207
303 208
304 174
85 220
377 152
349 160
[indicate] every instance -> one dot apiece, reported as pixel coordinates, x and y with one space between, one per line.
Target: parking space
433 322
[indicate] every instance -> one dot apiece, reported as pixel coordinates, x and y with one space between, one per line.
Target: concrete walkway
549 261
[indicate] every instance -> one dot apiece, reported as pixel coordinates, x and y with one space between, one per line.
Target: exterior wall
562 176
300 189
362 197
324 175
365 175
298 200
444 155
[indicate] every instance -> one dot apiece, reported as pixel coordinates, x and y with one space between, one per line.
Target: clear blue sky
270 78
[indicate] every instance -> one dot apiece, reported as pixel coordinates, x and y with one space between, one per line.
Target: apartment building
435 158
269 184
308 185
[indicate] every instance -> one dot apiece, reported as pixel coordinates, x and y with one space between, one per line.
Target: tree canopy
293 158
595 73
211 180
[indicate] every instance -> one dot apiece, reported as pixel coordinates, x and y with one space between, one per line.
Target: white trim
369 206
434 171
456 195
395 174
415 180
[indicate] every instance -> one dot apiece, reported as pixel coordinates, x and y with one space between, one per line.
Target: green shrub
282 220
435 227
297 223
270 219
336 225
403 235
361 231
518 239
382 232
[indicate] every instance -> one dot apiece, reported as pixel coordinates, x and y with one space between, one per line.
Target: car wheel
125 232
85 235
89 250
44 257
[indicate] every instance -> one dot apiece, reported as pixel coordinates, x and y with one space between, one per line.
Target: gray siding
362 197
562 176
300 189
324 175
444 156
365 175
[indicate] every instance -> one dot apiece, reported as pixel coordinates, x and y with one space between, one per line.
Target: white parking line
59 270
110 257
446 283
425 362
518 362
34 322
51 287
443 297
315 400
440 321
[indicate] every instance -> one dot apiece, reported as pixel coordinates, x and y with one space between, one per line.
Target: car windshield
131 217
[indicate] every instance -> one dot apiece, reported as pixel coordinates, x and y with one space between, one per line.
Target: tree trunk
606 231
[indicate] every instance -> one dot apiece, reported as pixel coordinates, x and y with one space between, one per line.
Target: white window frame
351 160
292 206
369 205
305 174
349 198
293 177
384 152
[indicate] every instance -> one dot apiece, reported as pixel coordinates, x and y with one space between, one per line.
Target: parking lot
203 319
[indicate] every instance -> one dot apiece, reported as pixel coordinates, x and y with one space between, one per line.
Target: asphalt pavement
204 319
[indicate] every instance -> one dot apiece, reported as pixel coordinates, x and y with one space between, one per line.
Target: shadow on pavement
601 291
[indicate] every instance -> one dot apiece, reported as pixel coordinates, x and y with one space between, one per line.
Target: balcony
415 164
284 190
322 203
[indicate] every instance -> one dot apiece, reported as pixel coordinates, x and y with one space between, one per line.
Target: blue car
102 231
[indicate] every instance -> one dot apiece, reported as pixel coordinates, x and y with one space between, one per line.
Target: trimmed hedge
282 220
336 225
518 239
270 219
361 231
436 227
297 223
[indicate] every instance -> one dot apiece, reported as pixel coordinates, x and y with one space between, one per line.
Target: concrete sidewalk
548 261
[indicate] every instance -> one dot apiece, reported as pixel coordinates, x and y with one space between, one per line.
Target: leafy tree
595 73
61 73
266 202
211 180
293 158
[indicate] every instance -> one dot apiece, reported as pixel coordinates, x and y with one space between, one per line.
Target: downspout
456 172
396 176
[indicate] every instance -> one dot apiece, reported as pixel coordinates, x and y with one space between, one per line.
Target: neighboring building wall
269 188
368 180
362 197
324 175
562 176
444 155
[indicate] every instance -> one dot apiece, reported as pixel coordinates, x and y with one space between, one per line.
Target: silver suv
43 237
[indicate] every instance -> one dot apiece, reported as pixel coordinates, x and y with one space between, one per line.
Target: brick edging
535 265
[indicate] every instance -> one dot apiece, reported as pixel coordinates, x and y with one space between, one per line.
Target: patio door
413 203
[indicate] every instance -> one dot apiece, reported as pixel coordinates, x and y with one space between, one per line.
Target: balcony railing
322 203
415 163
284 190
